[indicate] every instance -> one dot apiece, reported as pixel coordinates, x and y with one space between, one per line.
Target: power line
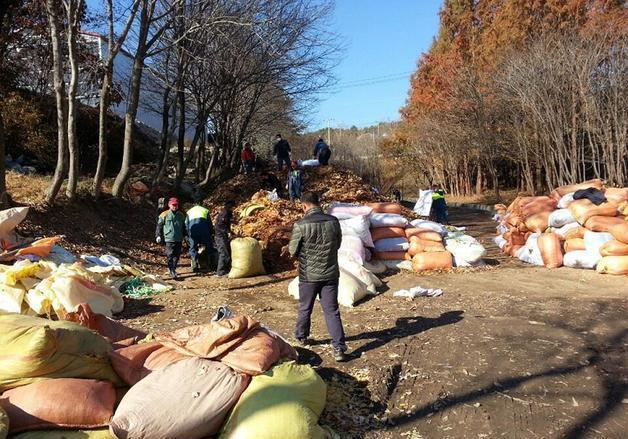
374 78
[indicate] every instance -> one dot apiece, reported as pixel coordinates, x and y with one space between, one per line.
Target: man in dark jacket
322 152
315 241
200 229
171 231
282 151
223 230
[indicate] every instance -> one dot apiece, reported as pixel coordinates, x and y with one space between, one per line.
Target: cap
173 201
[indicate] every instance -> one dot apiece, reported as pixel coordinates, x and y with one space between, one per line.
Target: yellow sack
4 424
246 258
66 434
32 348
285 403
20 270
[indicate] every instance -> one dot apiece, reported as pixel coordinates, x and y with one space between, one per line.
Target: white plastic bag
388 220
466 250
350 289
392 244
594 240
500 241
10 218
431 225
565 200
423 203
581 259
273 196
311 163
562 231
359 226
530 252
561 217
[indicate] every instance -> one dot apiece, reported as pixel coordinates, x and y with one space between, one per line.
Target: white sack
561 217
358 226
530 252
431 225
350 289
375 266
594 240
565 200
500 241
392 244
466 250
352 247
388 220
581 259
562 231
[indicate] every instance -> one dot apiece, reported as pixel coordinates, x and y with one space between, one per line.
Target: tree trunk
102 131
166 131
181 139
54 23
3 184
73 17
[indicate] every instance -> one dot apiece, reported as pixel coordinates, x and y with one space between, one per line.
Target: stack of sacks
579 226
388 232
62 375
427 248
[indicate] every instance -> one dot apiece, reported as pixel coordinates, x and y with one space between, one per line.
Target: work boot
173 274
339 356
195 267
302 342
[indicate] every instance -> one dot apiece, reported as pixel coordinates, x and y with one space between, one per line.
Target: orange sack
538 205
584 209
387 232
515 237
432 261
414 231
613 265
564 190
551 250
513 250
430 236
616 226
389 256
576 232
163 357
418 245
614 248
574 244
111 329
385 207
128 362
538 222
616 195
59 403
41 247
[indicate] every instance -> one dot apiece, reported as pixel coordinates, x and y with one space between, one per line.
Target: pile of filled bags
377 237
580 226
92 377
41 278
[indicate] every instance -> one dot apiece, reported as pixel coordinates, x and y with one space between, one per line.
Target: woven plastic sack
33 348
560 217
392 244
388 220
564 230
565 201
352 247
616 226
418 245
537 205
574 244
613 265
551 250
432 261
616 195
4 424
595 183
530 253
391 256
112 330
344 211
385 207
375 267
581 259
538 222
357 226
466 250
429 225
350 289
10 218
188 399
246 258
59 403
285 403
584 209
614 248
593 241
388 232
371 281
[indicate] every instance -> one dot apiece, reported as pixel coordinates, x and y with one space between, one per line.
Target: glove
158 240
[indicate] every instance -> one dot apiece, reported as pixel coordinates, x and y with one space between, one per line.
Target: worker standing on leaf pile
315 241
282 151
223 231
248 158
439 205
171 230
200 230
322 152
295 181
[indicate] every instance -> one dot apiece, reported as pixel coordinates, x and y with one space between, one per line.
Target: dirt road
508 351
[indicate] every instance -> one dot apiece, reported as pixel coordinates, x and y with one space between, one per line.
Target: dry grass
506 197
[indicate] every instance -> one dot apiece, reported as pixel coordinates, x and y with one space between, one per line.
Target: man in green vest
171 231
200 229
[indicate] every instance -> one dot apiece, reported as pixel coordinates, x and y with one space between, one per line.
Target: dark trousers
328 291
295 192
194 247
248 166
283 160
173 253
224 255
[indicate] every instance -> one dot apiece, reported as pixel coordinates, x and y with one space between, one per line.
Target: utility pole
329 130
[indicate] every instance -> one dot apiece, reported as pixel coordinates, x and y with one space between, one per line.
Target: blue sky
384 40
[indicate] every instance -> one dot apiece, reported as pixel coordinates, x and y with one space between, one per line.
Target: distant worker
223 232
171 231
396 193
200 230
439 205
282 151
315 241
295 181
322 152
248 158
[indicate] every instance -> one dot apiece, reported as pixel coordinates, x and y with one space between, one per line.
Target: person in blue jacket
295 181
198 223
322 152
